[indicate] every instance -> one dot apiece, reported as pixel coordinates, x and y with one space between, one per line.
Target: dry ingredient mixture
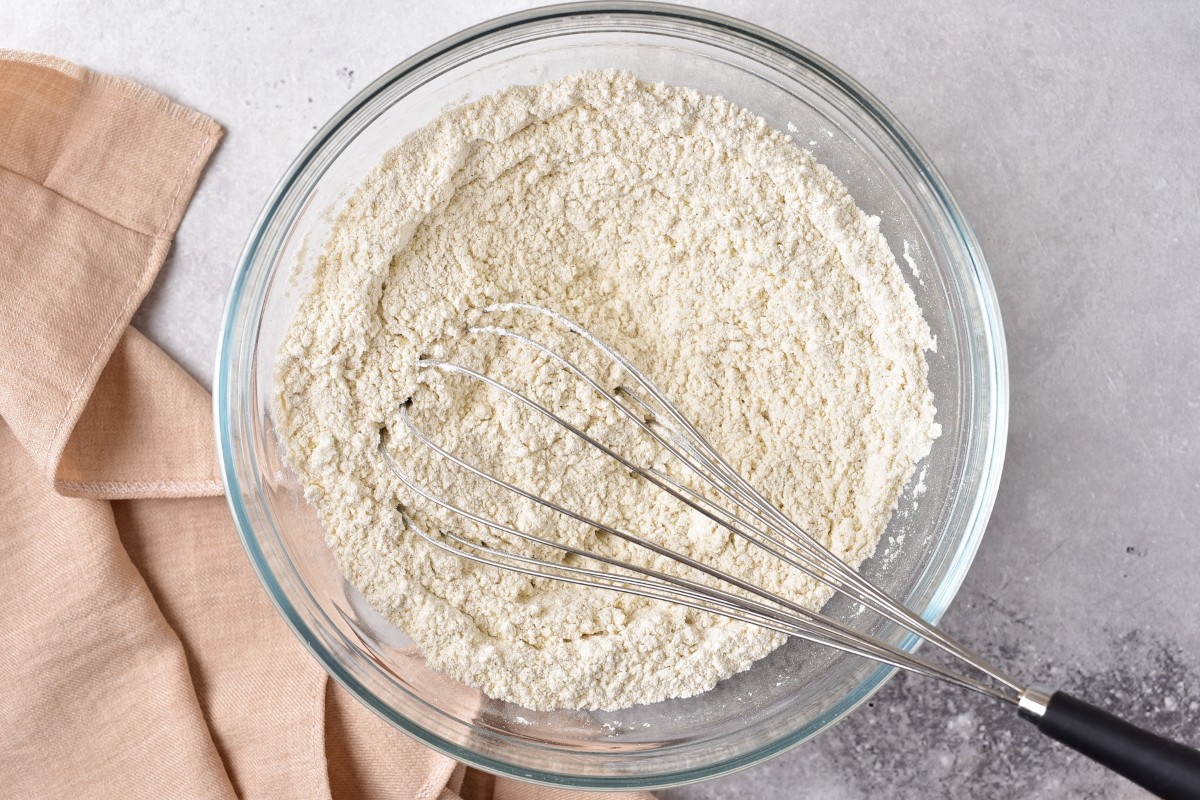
720 257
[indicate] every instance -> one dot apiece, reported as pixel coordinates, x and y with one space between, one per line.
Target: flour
723 260
912 265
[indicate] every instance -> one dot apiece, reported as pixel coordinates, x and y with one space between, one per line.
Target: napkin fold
139 657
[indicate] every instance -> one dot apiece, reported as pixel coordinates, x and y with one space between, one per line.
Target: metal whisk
1168 768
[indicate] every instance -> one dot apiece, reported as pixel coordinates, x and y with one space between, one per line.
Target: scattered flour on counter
735 270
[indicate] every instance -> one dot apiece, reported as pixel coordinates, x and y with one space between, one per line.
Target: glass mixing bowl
798 690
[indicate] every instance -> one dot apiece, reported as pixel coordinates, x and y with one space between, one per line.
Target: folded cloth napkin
139 657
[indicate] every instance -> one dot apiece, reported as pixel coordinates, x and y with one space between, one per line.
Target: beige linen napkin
139 657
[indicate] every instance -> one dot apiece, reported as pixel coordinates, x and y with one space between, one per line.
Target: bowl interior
799 689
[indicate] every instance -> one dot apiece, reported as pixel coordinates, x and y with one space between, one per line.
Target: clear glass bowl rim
977 273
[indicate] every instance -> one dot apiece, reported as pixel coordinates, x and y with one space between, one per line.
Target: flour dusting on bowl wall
797 689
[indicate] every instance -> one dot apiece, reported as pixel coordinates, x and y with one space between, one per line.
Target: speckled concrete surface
1067 132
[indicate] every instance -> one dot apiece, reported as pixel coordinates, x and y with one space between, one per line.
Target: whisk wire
718 466
718 472
774 532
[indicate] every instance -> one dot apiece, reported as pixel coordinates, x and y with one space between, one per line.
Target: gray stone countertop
1067 132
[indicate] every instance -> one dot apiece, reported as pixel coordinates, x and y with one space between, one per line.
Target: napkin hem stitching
126 490
170 224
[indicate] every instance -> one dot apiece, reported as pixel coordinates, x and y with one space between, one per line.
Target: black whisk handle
1169 769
